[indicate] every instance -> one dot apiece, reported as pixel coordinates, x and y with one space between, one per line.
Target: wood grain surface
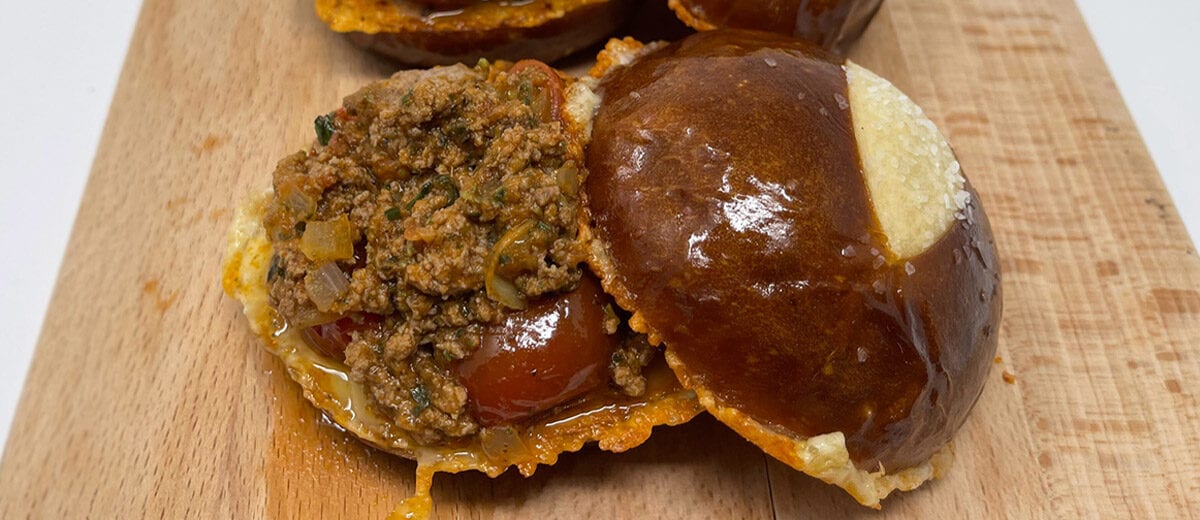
148 396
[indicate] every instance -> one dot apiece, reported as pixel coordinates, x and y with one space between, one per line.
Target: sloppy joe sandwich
778 235
419 270
801 238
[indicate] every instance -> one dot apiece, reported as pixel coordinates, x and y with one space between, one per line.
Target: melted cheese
616 422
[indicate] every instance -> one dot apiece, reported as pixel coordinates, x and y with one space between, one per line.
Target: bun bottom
548 42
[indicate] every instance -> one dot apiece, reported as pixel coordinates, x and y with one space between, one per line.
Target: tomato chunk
547 354
331 338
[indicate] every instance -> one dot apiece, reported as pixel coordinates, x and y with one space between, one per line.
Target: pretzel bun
833 24
801 238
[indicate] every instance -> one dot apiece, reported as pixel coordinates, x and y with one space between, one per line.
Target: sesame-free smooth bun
833 24
800 237
442 32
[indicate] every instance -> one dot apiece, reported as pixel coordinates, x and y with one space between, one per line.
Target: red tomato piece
551 352
331 338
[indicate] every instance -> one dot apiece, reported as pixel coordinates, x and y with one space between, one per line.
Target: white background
59 72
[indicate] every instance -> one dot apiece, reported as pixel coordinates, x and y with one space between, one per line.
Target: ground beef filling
431 204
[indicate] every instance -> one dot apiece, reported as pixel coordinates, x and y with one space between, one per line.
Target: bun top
733 215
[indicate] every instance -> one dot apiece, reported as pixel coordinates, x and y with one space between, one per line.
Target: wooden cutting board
148 395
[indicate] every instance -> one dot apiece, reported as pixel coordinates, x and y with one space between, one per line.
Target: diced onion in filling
498 288
328 240
326 285
307 317
568 178
297 202
502 443
506 293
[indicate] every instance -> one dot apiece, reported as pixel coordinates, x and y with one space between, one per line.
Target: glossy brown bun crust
832 24
425 34
732 214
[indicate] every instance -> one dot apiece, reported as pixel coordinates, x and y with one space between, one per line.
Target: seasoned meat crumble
431 205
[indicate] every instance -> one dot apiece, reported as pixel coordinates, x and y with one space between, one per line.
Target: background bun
801 238
832 24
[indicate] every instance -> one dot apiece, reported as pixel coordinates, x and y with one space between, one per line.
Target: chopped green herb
420 396
526 91
459 132
504 259
446 183
407 99
392 213
499 195
544 227
276 270
441 181
617 358
324 127
422 193
610 313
